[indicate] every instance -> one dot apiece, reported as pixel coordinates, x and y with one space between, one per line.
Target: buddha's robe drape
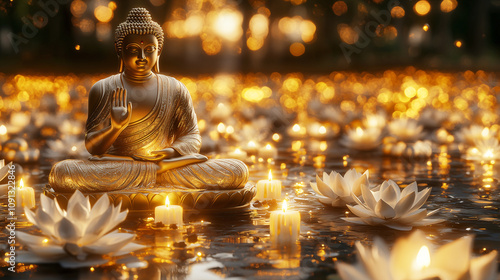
171 123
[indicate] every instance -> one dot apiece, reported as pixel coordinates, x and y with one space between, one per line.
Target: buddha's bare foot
110 157
172 163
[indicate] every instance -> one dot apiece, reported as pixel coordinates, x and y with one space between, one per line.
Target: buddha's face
139 53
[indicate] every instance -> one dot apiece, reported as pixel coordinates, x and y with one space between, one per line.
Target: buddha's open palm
120 111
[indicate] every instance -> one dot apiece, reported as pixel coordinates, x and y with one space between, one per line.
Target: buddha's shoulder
104 85
171 81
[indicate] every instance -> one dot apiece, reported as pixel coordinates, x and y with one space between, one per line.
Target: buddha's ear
156 67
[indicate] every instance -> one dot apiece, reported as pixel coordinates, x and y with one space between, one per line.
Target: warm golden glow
284 206
322 130
486 132
227 24
489 154
21 183
422 7
339 8
296 127
92 269
448 5
268 147
78 8
425 27
270 176
297 49
359 131
259 26
397 12
423 259
276 137
347 33
45 241
167 201
251 144
103 13
221 128
73 148
458 44
3 129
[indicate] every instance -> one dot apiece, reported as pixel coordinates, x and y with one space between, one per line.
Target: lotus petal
51 207
359 211
4 170
398 226
484 267
390 195
452 259
349 272
97 224
314 186
415 216
427 222
404 205
421 199
100 206
75 199
48 251
339 186
65 229
29 239
368 197
130 247
30 216
325 189
363 180
384 210
109 243
79 214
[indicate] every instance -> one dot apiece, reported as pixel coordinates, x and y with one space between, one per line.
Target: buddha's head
138 43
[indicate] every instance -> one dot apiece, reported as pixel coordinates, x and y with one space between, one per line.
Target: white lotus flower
81 231
407 130
485 151
474 133
362 139
415 258
337 190
389 206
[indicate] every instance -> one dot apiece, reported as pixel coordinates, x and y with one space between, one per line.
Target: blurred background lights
422 7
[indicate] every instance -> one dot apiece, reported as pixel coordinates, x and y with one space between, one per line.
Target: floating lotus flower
389 206
474 133
414 258
81 231
485 151
362 139
407 130
375 120
400 148
337 190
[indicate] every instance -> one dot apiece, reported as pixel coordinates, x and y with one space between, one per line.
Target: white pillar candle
268 152
268 189
251 148
25 196
168 214
284 225
238 154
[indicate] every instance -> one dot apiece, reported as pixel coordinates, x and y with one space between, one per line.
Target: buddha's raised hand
120 112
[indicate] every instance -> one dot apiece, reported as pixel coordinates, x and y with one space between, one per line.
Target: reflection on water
237 245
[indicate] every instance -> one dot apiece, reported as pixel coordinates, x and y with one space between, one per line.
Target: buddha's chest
143 98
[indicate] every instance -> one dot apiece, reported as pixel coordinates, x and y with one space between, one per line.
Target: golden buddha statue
142 129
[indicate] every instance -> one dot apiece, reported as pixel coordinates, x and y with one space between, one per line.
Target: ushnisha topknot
139 22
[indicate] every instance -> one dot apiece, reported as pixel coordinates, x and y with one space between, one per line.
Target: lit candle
238 154
420 265
25 196
168 214
297 131
268 152
251 147
284 225
268 189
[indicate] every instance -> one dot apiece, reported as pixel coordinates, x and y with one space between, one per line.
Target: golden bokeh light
297 49
103 13
307 29
458 43
425 27
448 5
259 25
78 8
397 12
255 44
339 8
227 24
347 33
422 7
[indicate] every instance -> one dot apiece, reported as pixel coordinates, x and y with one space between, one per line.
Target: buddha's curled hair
138 22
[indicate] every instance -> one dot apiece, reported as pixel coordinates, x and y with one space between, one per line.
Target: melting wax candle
268 152
284 225
168 214
25 196
268 189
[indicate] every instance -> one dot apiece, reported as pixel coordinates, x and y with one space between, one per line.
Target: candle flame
268 147
45 241
359 131
3 130
252 144
270 175
488 153
322 130
21 183
485 132
73 148
167 201
296 128
284 206
237 151
423 259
